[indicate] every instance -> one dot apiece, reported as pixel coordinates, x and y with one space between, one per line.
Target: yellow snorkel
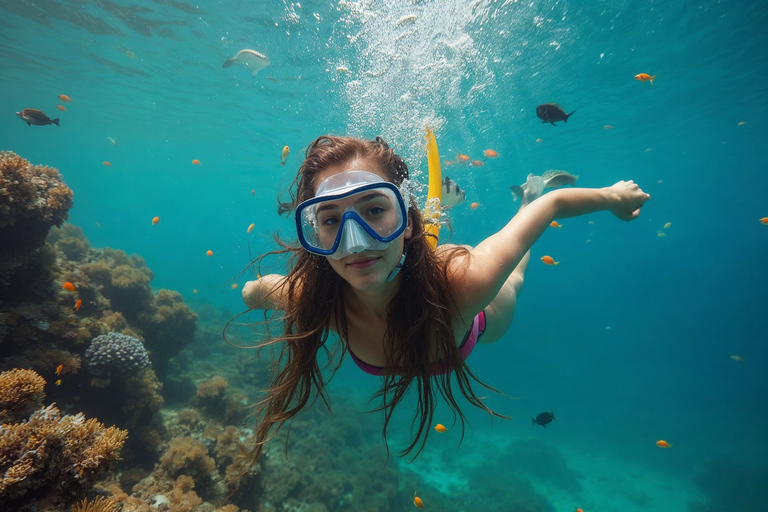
435 193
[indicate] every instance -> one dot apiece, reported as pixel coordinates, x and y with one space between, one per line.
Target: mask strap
395 271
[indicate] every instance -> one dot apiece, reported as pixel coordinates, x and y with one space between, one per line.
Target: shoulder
267 292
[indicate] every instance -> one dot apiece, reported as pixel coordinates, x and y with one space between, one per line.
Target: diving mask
353 211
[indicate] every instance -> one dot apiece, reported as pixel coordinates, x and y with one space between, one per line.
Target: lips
363 262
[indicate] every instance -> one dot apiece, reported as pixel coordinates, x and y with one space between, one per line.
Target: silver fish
250 59
534 185
452 193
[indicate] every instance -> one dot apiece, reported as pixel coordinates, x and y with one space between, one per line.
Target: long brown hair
419 318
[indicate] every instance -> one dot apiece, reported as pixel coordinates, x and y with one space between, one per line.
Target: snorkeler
364 277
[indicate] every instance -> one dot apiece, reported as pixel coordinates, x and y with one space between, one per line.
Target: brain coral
116 354
32 199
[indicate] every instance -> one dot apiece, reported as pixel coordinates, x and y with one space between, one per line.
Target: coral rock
21 393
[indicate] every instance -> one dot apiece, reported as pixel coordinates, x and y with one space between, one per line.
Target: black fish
551 112
543 418
37 117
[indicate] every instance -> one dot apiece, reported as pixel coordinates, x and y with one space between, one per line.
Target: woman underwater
365 271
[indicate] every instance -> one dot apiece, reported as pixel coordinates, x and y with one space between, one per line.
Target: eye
330 221
375 210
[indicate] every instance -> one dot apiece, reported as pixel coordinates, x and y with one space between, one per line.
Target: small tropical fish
448 163
554 224
234 286
106 164
284 155
452 193
552 112
195 161
417 502
58 382
59 368
645 77
764 221
661 234
32 116
543 418
474 206
738 359
272 79
194 290
112 141
68 286
548 260
489 153
61 107
250 228
78 304
155 220
476 163
250 59
209 253
64 98
667 225
663 444
462 158
578 510
539 140
440 428
607 127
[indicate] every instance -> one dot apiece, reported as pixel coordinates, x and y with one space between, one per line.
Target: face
369 269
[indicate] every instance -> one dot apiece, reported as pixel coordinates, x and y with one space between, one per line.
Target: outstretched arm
478 278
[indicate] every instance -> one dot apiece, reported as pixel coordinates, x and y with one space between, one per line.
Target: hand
628 198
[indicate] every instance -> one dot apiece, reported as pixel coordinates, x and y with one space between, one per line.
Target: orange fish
58 382
250 228
68 286
645 77
209 253
578 510
61 107
417 502
462 158
549 260
78 304
489 153
64 98
476 163
106 164
59 368
253 192
448 163
663 444
195 162
234 286
554 224
155 220
474 206
764 220
440 428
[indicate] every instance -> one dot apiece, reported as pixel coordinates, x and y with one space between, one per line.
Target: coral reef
51 460
32 199
116 354
21 393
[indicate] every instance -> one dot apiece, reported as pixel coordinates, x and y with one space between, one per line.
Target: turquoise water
628 340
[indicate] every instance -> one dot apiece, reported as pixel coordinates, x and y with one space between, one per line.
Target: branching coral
21 393
52 458
100 504
32 199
